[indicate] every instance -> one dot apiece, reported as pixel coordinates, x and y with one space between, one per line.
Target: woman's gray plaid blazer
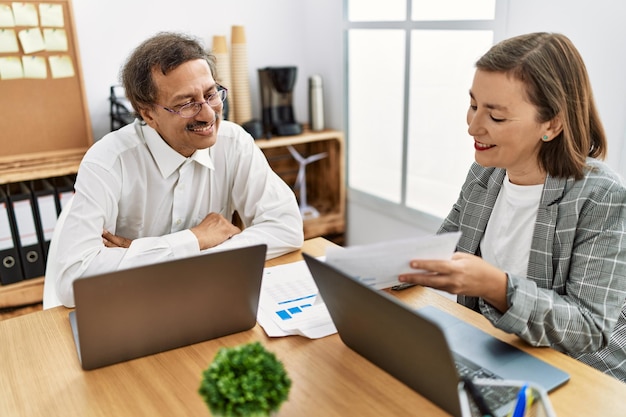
573 295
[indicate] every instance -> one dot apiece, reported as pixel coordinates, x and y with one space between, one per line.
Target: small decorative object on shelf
325 185
307 211
245 381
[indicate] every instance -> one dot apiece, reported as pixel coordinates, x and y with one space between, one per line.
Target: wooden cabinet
24 168
325 178
45 127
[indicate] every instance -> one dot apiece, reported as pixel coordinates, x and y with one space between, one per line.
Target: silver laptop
137 312
427 349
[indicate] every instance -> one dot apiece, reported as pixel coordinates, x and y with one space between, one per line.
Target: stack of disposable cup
223 77
239 73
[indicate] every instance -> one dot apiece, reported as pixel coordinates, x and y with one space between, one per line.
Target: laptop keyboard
498 398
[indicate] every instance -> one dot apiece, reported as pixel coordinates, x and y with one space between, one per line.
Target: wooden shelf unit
38 166
24 168
45 129
325 178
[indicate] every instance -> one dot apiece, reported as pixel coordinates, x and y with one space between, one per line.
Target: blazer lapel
480 204
540 260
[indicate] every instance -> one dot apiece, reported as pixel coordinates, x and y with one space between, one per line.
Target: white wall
278 32
597 29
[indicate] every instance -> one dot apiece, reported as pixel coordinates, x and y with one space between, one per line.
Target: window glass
376 10
376 111
409 70
453 9
440 151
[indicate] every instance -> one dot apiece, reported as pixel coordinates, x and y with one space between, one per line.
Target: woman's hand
463 274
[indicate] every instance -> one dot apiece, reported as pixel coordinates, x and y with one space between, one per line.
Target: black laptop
428 349
141 311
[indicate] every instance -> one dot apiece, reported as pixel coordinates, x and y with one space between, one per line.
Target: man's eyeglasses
189 110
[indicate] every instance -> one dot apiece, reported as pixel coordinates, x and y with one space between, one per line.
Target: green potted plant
244 381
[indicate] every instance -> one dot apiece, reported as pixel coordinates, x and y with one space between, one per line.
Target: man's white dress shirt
133 184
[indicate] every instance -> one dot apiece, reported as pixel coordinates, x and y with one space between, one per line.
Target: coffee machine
277 85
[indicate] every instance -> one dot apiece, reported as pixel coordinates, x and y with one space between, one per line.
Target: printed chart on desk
289 303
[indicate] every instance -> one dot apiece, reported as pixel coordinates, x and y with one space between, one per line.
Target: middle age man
166 186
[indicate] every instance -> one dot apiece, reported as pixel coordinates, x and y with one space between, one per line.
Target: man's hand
112 241
213 230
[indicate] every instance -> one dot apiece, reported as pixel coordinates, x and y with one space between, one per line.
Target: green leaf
244 381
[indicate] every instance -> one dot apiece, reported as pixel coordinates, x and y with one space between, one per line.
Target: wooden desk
40 374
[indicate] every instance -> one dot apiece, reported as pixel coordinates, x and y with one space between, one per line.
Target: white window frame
400 211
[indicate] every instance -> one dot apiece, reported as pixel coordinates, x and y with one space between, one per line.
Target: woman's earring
545 138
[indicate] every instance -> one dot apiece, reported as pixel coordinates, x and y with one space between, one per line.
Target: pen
474 392
402 286
524 400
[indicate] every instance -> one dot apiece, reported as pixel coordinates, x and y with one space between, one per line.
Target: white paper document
379 265
290 305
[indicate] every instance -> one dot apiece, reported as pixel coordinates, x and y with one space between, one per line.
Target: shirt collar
167 159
